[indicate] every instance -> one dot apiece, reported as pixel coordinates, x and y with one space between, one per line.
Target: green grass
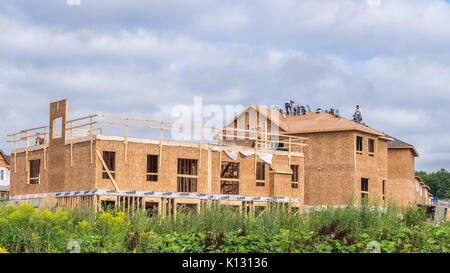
221 229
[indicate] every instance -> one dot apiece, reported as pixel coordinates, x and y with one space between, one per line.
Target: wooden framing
88 129
113 181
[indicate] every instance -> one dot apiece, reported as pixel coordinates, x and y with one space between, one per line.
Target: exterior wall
401 186
334 169
329 168
423 198
374 168
132 176
84 175
58 174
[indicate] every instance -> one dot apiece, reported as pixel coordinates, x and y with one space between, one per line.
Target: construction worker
357 116
288 105
40 139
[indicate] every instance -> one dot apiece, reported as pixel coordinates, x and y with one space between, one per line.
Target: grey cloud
142 58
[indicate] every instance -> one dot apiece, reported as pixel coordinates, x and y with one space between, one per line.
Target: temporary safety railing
84 128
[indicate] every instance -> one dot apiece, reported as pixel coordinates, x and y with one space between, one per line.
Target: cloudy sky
139 58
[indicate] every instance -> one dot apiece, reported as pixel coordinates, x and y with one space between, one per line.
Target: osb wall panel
58 175
375 167
333 185
19 180
401 164
132 176
329 168
401 173
334 170
401 191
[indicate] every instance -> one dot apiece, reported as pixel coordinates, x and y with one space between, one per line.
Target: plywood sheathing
334 170
78 177
333 167
132 176
401 172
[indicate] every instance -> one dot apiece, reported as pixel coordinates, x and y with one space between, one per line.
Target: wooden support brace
220 154
108 171
200 151
92 140
289 155
71 145
209 172
45 156
161 144
15 155
26 160
126 141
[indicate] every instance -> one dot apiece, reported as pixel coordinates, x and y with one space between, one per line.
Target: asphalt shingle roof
398 143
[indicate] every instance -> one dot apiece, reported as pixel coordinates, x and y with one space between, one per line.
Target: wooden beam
161 143
200 151
289 156
91 138
15 155
26 161
71 145
209 172
126 141
108 171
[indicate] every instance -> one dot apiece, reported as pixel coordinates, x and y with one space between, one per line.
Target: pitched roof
399 144
6 157
310 123
324 122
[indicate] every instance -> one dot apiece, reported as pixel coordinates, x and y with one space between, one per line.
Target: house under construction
76 162
261 156
344 160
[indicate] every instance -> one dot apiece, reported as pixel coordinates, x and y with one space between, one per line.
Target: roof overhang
413 149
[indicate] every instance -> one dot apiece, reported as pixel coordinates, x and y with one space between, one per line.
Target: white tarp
266 157
247 153
232 154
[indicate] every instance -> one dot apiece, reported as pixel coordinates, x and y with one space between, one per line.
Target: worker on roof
357 116
288 105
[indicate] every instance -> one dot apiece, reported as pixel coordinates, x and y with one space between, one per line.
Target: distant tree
439 182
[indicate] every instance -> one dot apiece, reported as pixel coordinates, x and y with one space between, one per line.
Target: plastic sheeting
232 154
247 153
266 157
